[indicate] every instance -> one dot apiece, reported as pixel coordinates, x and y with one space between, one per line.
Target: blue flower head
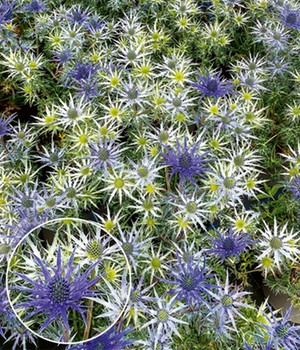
36 6
26 199
290 17
133 246
53 294
137 296
88 88
212 85
227 303
104 154
5 127
29 219
191 281
279 66
111 340
281 332
185 161
62 57
6 11
77 15
229 244
11 325
5 309
94 23
294 186
82 71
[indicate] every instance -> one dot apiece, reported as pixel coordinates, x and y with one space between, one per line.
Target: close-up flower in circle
50 286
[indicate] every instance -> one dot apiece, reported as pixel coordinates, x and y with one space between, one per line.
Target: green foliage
287 282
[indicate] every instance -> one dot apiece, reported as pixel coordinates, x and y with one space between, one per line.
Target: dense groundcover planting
150 174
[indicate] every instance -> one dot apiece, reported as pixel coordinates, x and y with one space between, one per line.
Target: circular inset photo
68 280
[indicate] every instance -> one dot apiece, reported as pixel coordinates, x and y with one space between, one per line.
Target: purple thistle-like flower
212 85
277 37
53 157
229 244
104 154
19 335
294 186
282 333
5 128
133 246
227 303
6 11
165 318
94 23
36 6
82 71
62 57
185 161
138 297
278 66
77 15
153 342
29 219
83 74
53 294
190 281
50 202
26 199
290 17
113 339
4 306
11 329
88 88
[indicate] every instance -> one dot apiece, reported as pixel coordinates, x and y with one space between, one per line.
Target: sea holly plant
172 128
56 287
54 294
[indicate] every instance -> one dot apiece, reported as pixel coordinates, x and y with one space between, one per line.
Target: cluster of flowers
148 118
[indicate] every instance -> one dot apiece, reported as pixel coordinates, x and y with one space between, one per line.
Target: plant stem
167 179
66 335
88 320
36 35
120 324
75 322
89 313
